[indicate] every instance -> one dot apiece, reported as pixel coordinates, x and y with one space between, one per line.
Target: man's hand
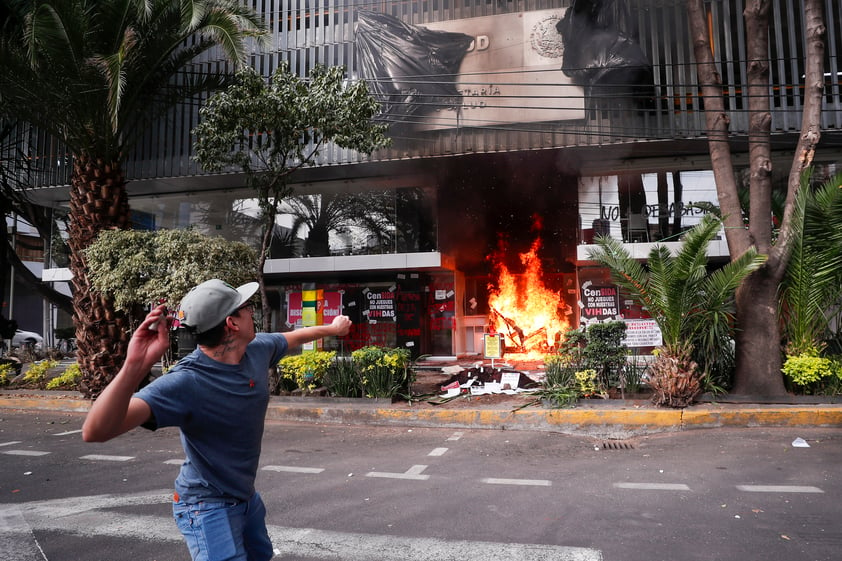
151 339
115 411
341 325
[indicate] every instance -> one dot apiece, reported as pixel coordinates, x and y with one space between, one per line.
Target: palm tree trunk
98 201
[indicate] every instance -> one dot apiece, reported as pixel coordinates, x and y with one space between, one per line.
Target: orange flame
523 309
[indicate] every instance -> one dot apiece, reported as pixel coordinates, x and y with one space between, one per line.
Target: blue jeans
225 530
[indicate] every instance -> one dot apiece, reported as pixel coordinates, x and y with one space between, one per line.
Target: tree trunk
717 125
759 345
760 124
98 201
758 340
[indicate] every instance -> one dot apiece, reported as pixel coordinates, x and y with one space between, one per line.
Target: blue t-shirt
220 409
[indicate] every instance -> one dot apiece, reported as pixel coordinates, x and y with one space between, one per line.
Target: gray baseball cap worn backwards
208 304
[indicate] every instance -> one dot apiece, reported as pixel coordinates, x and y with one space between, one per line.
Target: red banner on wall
330 306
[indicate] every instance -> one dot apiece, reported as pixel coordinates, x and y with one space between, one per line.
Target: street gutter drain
617 445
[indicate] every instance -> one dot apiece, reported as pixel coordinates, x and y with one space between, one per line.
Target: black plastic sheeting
410 70
601 51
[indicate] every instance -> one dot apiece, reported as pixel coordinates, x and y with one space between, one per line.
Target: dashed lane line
653 486
10 443
524 482
106 458
779 489
86 517
69 432
24 452
456 435
438 452
412 473
293 469
175 462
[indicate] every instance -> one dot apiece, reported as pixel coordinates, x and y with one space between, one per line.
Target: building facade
521 129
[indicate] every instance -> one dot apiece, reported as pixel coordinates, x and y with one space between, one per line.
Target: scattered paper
800 443
452 392
510 379
493 387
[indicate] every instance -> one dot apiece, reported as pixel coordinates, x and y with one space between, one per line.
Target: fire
523 309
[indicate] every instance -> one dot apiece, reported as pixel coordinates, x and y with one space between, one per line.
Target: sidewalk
609 419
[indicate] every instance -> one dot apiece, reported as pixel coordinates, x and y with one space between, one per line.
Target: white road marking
10 443
24 452
12 528
653 486
528 482
437 452
294 469
79 516
779 489
412 473
68 432
456 435
106 458
175 461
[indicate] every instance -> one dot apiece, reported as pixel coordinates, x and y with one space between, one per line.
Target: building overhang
339 264
717 250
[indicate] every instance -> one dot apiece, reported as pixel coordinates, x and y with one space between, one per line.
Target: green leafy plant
560 380
809 371
588 384
693 307
69 379
269 130
307 369
37 373
814 273
384 371
605 351
138 267
342 379
6 371
95 76
634 373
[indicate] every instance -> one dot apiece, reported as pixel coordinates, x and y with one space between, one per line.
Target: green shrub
558 371
37 373
605 351
307 369
385 372
809 372
6 371
69 379
343 380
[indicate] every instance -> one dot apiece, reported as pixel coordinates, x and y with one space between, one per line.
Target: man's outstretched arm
340 327
115 411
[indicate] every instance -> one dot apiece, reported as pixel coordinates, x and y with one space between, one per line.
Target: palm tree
95 74
812 286
693 307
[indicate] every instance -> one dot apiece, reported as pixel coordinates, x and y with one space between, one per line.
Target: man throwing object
218 397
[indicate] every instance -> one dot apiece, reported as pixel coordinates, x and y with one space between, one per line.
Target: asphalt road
360 493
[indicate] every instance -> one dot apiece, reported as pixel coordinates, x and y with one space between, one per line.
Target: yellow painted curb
785 416
40 404
609 421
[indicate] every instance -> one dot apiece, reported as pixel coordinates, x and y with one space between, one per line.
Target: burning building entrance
531 315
